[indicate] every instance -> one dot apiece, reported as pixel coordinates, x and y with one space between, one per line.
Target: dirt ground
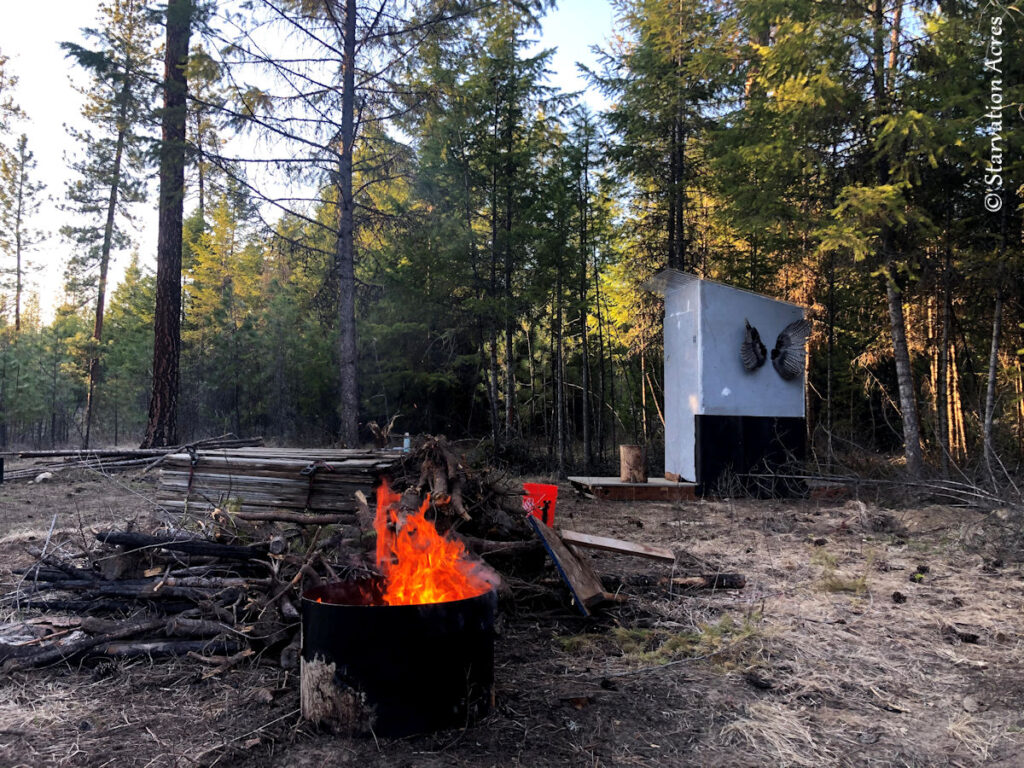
865 636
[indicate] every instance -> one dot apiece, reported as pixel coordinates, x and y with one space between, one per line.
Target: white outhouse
722 415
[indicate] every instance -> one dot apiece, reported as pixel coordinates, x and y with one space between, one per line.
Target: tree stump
329 703
632 464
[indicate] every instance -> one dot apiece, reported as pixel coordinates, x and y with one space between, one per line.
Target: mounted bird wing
791 349
753 352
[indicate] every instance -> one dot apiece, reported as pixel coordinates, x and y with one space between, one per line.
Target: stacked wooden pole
108 460
253 481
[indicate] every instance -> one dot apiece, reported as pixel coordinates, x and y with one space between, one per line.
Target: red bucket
540 500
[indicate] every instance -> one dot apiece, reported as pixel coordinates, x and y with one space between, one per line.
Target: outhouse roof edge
670 278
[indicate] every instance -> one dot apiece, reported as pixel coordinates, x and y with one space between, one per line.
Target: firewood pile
223 583
219 574
252 481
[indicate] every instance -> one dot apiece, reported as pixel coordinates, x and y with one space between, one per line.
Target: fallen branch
189 546
712 581
150 648
73 647
300 518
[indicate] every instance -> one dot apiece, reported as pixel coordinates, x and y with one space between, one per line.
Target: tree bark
990 391
632 464
345 255
162 428
559 383
108 238
942 393
19 213
584 202
884 72
905 379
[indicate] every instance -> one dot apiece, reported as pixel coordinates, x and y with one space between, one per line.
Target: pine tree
9 110
111 174
19 201
128 351
162 427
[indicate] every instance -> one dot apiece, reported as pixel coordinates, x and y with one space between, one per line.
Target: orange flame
419 564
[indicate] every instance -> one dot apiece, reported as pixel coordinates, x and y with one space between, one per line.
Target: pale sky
30 35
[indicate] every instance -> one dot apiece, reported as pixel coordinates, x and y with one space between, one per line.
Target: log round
632 464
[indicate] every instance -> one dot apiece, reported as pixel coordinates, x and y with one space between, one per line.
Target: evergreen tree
19 201
162 426
127 352
111 173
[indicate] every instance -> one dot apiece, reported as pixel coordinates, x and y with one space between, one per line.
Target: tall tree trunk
345 256
509 313
990 390
108 239
602 360
829 416
643 393
905 380
492 292
19 212
162 428
588 439
942 395
883 85
3 393
559 380
677 196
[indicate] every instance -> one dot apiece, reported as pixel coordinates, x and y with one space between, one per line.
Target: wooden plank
612 489
587 592
617 545
588 569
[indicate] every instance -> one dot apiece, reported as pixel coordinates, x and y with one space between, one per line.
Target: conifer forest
379 217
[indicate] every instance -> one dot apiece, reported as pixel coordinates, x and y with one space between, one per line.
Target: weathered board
618 546
613 489
584 585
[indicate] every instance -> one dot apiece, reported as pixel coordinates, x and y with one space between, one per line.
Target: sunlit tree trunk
990 390
162 429
345 254
108 239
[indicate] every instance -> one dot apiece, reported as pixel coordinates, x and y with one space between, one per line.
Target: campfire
418 564
364 641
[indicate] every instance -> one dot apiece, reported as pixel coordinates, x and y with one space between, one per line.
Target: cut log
712 581
617 545
151 648
632 464
74 645
189 546
586 589
300 518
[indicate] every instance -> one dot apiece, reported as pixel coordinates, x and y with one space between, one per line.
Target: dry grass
812 664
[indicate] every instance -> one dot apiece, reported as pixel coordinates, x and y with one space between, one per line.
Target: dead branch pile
476 502
225 582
